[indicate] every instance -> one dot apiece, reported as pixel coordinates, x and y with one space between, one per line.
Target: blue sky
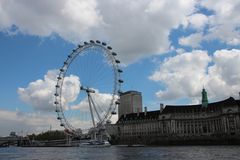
168 55
25 59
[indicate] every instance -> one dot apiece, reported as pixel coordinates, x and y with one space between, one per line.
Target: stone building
206 123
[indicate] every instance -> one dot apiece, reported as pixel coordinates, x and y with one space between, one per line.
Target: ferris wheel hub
87 89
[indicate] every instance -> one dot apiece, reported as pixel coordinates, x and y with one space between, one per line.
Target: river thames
122 153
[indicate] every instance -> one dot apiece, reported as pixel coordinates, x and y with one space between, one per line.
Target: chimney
161 107
145 111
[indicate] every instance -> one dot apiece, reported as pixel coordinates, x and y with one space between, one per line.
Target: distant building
206 123
130 102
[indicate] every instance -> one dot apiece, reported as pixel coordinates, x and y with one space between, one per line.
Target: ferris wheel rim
62 73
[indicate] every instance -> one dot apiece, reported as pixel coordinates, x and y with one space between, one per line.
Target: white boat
95 143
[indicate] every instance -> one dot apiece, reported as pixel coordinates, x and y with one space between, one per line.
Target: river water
122 153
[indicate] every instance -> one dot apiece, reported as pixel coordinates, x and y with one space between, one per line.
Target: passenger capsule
57 86
57 110
117 102
91 41
117 61
120 92
97 41
62 70
56 94
56 102
108 47
85 43
65 63
104 44
59 78
80 46
114 113
120 71
62 124
114 54
120 81
59 118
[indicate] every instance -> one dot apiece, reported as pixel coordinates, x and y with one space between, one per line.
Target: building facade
130 102
211 123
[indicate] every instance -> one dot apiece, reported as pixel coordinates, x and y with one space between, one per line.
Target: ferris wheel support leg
69 140
95 135
90 105
94 106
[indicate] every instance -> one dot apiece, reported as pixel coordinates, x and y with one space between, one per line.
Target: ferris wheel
88 87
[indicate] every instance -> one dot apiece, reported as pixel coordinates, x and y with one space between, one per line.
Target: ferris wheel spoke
94 106
91 110
99 107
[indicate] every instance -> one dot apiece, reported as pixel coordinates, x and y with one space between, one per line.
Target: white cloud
68 18
192 40
134 28
197 21
36 122
40 93
222 22
141 28
225 22
184 75
224 75
26 123
180 50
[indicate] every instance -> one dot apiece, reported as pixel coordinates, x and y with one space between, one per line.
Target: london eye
95 89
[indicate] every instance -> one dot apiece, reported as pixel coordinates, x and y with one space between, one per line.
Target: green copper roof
204 98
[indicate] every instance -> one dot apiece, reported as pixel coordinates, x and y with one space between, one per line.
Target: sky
169 51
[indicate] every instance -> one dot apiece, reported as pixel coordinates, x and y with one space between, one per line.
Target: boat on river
95 143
